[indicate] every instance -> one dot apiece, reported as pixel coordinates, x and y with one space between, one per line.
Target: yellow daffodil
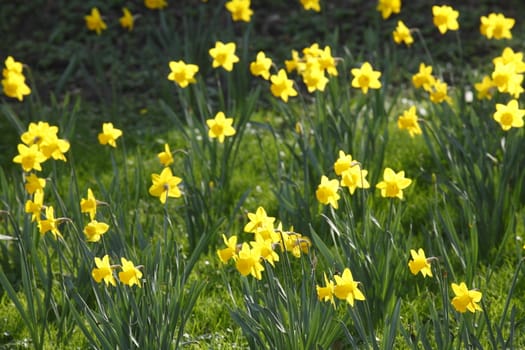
354 177
402 34
423 78
230 251
465 299
126 21
326 192
240 10
295 64
419 263
53 147
393 184
259 220
485 88
166 158
409 121
445 18
496 26
130 274
509 115
224 55
38 133
95 22
34 206
346 288
388 7
327 61
265 247
220 127
14 86
439 92
282 87
155 4
89 204
103 271
344 162
29 157
314 78
34 183
261 66
365 78
11 65
326 293
94 230
311 5
509 56
248 261
49 224
181 73
109 135
165 185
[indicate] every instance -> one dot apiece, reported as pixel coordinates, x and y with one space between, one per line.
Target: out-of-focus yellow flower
311 5
346 288
95 22
282 87
49 224
439 92
506 78
409 121
130 274
265 247
314 78
12 66
388 7
89 204
419 263
34 206
165 185
14 86
224 55
103 271
496 26
34 183
94 230
465 299
485 88
326 192
155 4
259 221
248 261
231 249
509 56
326 293
393 184
445 18
38 133
261 66
29 157
109 135
181 73
327 61
354 177
220 127
402 34
366 78
295 64
423 78
509 115
240 10
343 163
127 21
166 158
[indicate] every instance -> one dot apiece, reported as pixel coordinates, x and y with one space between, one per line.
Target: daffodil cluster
129 275
94 229
249 256
344 288
13 80
95 22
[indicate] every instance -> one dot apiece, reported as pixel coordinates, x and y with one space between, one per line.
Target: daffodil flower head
220 127
326 293
282 87
409 121
402 34
465 299
393 184
247 261
165 157
224 55
365 78
103 271
130 274
419 263
326 192
261 66
127 20
259 221
388 7
346 288
230 251
181 73
165 185
445 18
509 115
95 22
89 204
94 230
109 135
240 10
311 5
496 26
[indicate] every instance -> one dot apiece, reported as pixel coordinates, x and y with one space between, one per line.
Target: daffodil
311 5
402 34
439 92
94 230
220 127
240 10
230 251
34 206
365 78
49 224
409 121
496 26
327 61
419 263
344 162
261 66
53 147
393 184
181 73
314 78
423 78
326 293
346 288
103 271
109 135
326 192
89 204
465 299
295 64
165 157
165 185
38 133
34 183
130 274
126 21
509 56
224 55
14 86
95 22
388 7
354 177
29 157
485 88
259 220
282 87
445 18
155 4
265 247
247 261
509 115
